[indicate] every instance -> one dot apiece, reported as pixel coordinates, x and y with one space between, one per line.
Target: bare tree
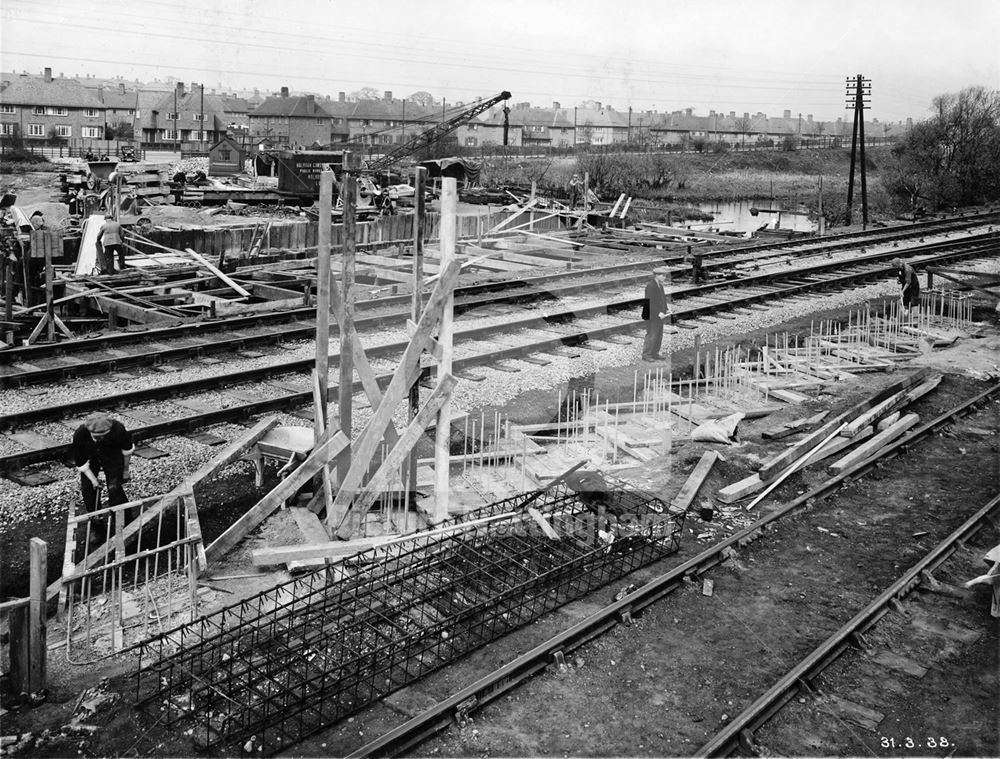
423 98
743 126
365 93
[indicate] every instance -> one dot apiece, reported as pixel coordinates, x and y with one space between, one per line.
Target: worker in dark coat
110 238
102 443
908 283
654 311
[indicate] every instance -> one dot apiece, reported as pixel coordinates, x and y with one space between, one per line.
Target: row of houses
46 107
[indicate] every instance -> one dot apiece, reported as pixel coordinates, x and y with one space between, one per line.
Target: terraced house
46 108
293 121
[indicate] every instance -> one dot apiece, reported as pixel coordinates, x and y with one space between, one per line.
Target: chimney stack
555 105
598 105
310 104
387 96
121 88
48 73
341 97
787 115
689 111
180 89
732 114
284 92
809 117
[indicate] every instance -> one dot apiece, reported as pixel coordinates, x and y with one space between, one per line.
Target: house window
169 134
38 110
91 113
64 131
471 142
6 108
172 117
7 129
225 154
473 127
55 111
95 132
387 139
199 116
366 122
321 122
130 112
36 130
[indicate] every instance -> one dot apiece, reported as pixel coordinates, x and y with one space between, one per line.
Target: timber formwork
291 661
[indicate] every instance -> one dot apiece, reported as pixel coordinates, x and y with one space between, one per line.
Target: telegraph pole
860 98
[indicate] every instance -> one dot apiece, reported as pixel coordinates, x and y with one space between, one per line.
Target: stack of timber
71 182
856 434
147 181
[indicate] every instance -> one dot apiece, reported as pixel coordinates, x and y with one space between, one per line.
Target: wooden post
344 395
36 615
416 302
323 301
442 443
822 220
586 193
50 317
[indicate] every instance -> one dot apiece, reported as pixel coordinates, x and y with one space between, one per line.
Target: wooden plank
399 388
773 467
37 617
838 444
336 549
543 523
335 441
218 273
741 489
872 447
683 500
794 427
395 458
309 524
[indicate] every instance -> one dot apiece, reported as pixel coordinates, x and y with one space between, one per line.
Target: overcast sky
726 55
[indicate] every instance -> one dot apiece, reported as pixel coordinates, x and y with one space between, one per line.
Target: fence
303 235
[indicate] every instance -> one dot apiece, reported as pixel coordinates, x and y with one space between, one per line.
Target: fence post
37 647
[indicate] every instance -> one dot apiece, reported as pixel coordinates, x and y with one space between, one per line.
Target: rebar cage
302 656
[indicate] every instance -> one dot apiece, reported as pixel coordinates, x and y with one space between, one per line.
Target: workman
37 220
110 238
574 191
654 311
102 443
694 258
908 283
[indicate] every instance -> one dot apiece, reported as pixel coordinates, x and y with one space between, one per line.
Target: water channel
737 216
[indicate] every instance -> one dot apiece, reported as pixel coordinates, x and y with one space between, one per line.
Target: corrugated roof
32 90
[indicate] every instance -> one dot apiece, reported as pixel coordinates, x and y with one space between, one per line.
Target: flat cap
98 424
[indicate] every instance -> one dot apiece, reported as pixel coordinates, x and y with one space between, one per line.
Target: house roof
230 142
293 106
34 90
188 104
382 110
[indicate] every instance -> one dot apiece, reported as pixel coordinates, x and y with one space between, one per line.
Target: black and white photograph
540 378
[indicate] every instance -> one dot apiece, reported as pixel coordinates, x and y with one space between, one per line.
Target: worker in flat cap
908 283
654 310
102 443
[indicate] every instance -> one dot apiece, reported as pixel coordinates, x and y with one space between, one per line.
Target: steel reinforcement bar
405 737
191 422
298 658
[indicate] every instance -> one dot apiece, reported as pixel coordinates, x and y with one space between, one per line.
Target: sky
663 55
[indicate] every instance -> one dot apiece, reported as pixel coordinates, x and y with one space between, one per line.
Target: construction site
411 473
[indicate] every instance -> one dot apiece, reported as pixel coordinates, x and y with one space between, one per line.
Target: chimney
598 105
310 104
787 115
746 114
555 105
387 96
341 97
62 75
689 111
100 92
48 73
732 114
809 117
180 89
121 88
711 113
284 92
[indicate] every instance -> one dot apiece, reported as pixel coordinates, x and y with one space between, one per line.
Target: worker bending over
908 283
102 443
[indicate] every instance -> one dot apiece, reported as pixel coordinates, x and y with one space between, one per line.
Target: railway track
156 345
848 640
404 738
554 330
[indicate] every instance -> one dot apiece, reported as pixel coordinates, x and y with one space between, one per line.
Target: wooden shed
226 158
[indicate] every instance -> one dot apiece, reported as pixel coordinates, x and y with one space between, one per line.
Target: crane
438 131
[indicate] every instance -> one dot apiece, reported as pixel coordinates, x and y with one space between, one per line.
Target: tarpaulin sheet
459 168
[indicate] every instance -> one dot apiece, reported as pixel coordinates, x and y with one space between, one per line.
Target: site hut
226 157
